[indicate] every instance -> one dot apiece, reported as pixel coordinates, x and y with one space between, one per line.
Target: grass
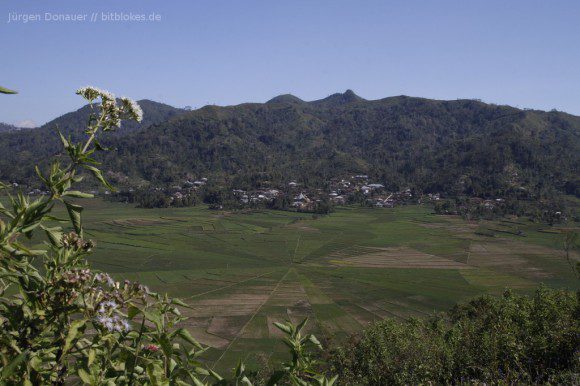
242 271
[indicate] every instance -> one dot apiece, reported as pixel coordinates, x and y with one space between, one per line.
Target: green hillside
454 147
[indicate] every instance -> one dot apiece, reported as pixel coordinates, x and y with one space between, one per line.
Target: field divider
251 318
228 286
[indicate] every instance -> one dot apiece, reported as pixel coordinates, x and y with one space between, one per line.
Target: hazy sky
523 53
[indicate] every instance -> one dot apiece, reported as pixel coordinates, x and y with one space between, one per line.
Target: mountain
338 99
454 147
286 98
74 122
19 149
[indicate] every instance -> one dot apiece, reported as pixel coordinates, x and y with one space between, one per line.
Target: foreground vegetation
509 339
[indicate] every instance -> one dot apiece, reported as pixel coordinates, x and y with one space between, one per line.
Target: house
272 193
301 197
339 200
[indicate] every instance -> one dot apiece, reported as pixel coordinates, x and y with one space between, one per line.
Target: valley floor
242 271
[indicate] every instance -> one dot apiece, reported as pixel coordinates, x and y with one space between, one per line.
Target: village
340 191
357 189
295 196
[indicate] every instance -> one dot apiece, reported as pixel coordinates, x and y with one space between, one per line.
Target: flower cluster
113 323
151 348
111 113
105 278
132 109
91 93
72 240
107 318
76 277
107 306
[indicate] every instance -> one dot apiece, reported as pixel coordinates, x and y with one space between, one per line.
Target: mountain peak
285 98
339 99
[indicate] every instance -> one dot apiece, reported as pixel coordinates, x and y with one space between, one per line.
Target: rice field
240 272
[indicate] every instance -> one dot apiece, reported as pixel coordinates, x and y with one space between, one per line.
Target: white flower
107 96
104 278
132 108
106 306
122 325
113 324
91 93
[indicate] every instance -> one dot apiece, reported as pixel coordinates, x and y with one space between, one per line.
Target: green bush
508 339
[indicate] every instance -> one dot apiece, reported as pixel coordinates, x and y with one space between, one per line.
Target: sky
194 53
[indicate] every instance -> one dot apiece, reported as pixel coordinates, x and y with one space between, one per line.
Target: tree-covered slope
5 127
19 148
461 146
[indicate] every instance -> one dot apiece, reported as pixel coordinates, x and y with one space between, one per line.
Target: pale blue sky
522 53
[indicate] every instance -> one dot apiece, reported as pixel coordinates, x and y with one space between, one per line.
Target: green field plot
240 272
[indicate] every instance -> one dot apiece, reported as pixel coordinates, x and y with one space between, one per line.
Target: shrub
508 339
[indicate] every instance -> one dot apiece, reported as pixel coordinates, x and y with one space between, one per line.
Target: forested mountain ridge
455 147
20 149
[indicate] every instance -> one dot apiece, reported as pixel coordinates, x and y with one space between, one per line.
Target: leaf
91 357
77 194
64 141
185 335
74 212
85 377
154 317
132 312
36 363
215 375
55 236
72 334
100 147
99 176
301 325
39 173
156 375
179 302
287 329
246 381
7 91
197 382
30 227
9 369
315 341
166 346
240 368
